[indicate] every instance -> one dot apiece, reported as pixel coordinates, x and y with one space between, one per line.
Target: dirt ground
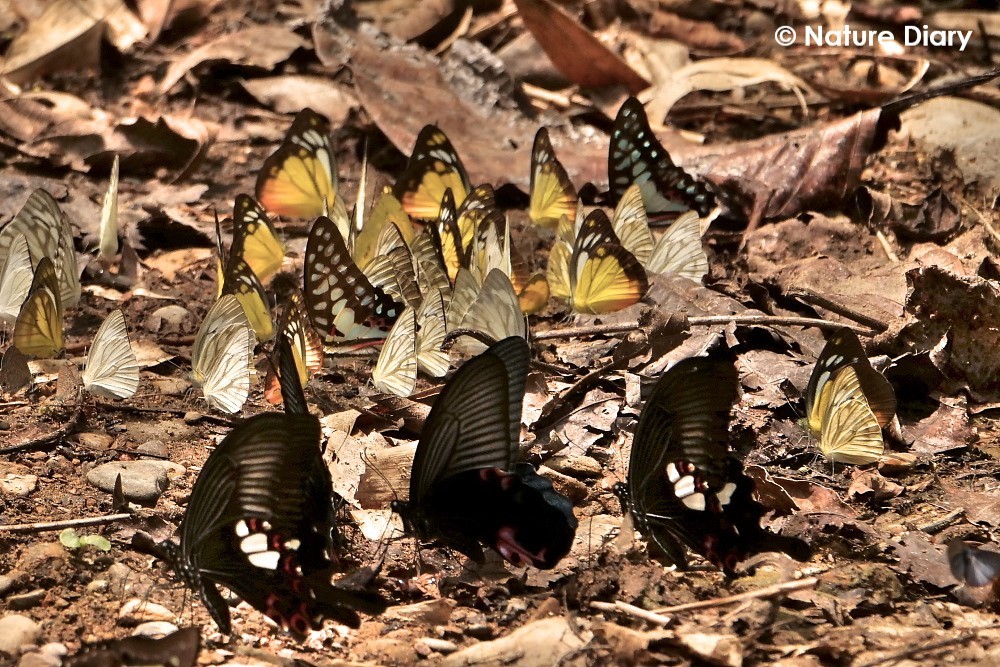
899 225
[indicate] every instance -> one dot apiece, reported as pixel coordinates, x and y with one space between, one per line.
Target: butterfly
305 345
465 487
14 371
107 247
241 281
848 402
495 311
685 487
972 565
15 279
222 354
299 180
368 241
678 250
255 239
637 156
38 329
341 302
112 370
414 343
552 193
594 272
49 234
260 522
178 649
433 167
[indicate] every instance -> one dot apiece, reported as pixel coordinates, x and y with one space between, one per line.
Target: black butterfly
685 485
178 649
260 522
972 565
465 487
637 156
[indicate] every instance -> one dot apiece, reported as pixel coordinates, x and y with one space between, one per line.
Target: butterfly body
465 487
686 488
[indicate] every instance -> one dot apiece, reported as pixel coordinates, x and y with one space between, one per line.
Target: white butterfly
395 371
108 247
15 279
496 312
112 370
222 354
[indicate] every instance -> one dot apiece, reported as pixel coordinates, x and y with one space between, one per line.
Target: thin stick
632 610
815 298
74 422
777 590
889 252
180 412
708 320
922 648
935 527
45 526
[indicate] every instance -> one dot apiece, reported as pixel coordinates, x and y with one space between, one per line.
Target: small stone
480 631
120 578
4 425
437 645
98 442
142 481
23 601
576 466
44 561
154 448
6 583
50 655
155 629
193 417
17 631
137 611
97 586
18 486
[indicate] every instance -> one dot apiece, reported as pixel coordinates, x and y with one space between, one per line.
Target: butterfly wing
304 346
557 272
972 565
387 212
685 486
431 333
108 234
637 156
608 279
552 193
255 239
243 283
632 226
226 368
434 167
38 329
496 311
15 279
850 433
299 180
679 249
395 371
112 370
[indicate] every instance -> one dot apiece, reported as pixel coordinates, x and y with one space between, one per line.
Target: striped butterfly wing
241 281
341 302
255 239
178 649
557 273
393 272
552 194
395 371
15 279
259 523
447 238
471 215
463 296
431 332
299 180
632 226
431 272
221 355
305 348
679 249
108 231
38 329
637 157
604 276
972 565
496 312
387 212
433 167
112 370
49 234
686 488
850 432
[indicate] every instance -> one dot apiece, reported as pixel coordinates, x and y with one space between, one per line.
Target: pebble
142 481
23 601
154 448
50 655
97 586
17 631
137 611
6 583
98 442
155 629
44 561
576 466
18 486
193 417
119 577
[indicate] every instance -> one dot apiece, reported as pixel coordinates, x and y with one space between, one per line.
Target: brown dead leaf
285 94
550 641
979 507
922 560
936 218
261 46
386 476
574 50
870 485
946 430
699 35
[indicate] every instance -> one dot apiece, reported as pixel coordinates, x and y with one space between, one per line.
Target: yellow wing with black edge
38 330
849 431
434 167
299 180
241 281
255 239
552 193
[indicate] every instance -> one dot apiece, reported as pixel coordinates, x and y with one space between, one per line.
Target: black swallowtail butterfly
178 649
260 522
685 485
972 565
465 487
637 156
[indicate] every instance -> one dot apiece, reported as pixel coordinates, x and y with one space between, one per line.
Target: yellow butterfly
495 311
492 249
254 238
38 330
305 344
386 212
595 273
15 279
241 281
434 167
552 193
107 248
49 234
299 180
112 370
222 355
848 402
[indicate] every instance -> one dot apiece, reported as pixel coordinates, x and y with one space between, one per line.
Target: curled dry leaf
550 641
285 94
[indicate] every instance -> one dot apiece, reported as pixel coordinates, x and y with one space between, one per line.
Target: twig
815 298
74 422
889 252
180 412
455 334
707 320
632 610
44 526
922 648
776 590
935 527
